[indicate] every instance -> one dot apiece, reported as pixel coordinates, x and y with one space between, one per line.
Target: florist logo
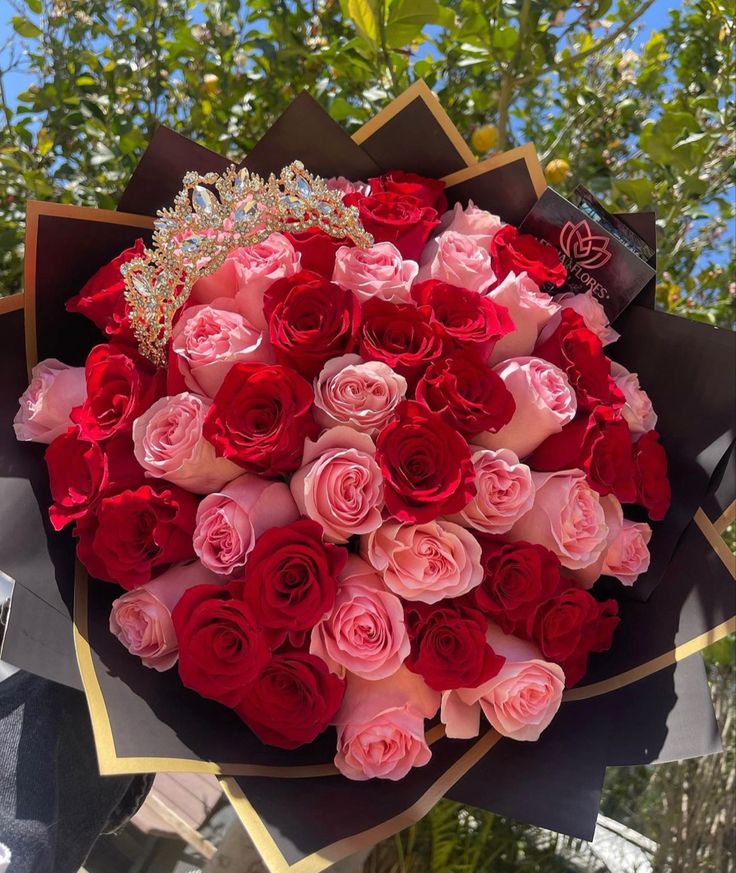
579 244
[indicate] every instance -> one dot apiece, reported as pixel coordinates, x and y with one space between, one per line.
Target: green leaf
407 19
364 15
638 190
35 6
24 27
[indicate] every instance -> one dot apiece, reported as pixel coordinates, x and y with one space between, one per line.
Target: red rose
310 320
514 252
600 445
293 700
571 625
468 395
389 217
131 534
426 465
119 389
291 576
448 646
317 249
222 649
517 578
81 470
102 298
260 418
578 351
463 318
653 490
430 192
400 335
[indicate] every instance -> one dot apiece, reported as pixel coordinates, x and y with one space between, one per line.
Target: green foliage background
644 119
641 118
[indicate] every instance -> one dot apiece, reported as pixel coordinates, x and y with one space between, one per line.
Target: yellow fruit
210 83
557 171
484 138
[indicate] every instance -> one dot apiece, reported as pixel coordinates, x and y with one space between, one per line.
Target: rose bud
426 465
637 410
310 320
82 470
340 485
430 192
471 221
317 250
230 521
102 298
365 632
130 535
520 701
45 406
426 562
247 273
380 726
514 252
627 556
207 341
400 219
260 417
377 271
458 260
504 492
517 578
530 310
463 318
292 701
119 389
600 445
567 518
222 648
590 310
448 646
357 393
141 618
545 403
291 577
400 335
578 351
468 395
650 470
169 444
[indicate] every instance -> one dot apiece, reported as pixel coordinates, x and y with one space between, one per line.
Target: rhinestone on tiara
211 216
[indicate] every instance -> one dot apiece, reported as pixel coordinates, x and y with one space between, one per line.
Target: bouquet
355 475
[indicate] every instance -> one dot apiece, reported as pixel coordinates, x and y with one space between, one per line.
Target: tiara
212 215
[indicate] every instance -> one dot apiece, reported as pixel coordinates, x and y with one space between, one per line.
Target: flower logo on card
579 243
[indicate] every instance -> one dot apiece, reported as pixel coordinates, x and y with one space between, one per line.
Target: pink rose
378 271
504 492
364 633
141 618
627 556
426 562
458 260
637 409
380 726
613 514
168 443
45 405
473 222
357 393
247 273
208 340
530 310
590 310
567 518
545 403
519 701
230 521
345 186
340 485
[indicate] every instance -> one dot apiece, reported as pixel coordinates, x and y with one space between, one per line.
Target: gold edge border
334 852
417 90
726 518
716 541
12 302
526 152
